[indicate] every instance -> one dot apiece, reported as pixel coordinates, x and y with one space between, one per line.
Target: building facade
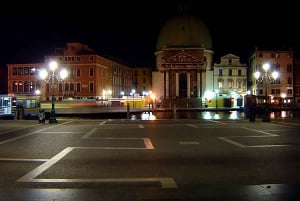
142 80
297 82
183 56
89 75
229 83
275 91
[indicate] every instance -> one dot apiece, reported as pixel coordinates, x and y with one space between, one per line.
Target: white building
184 56
229 83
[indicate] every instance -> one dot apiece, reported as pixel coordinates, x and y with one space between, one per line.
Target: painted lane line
88 134
231 141
60 132
265 135
262 131
141 126
23 159
192 125
8 131
29 177
148 143
31 133
102 123
118 148
165 182
189 143
37 171
217 122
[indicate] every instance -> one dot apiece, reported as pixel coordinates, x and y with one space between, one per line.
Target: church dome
184 31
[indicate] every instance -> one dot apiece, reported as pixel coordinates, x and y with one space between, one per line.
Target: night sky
128 30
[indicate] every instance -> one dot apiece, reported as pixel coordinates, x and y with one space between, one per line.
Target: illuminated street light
132 93
216 91
266 77
50 76
38 93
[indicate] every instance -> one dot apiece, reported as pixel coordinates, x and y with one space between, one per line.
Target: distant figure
250 107
252 112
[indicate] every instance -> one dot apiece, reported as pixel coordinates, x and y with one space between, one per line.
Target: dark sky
128 30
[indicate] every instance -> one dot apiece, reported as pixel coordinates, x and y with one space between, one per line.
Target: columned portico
183 55
182 81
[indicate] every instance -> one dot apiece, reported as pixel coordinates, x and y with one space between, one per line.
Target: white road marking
192 125
165 182
231 141
31 133
60 132
23 160
31 176
190 142
148 143
102 123
141 126
217 122
88 134
265 134
8 131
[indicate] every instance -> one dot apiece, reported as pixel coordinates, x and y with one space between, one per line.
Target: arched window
220 83
32 86
26 86
78 87
239 84
60 87
67 87
20 87
48 87
38 85
15 86
230 84
71 86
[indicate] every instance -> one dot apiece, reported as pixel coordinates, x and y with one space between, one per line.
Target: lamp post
38 93
50 76
266 77
132 92
216 91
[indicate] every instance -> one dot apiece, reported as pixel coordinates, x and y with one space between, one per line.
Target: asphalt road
120 159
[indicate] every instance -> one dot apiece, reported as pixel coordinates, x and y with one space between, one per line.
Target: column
177 84
198 85
167 83
164 84
188 85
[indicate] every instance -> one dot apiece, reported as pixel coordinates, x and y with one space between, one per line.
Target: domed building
184 57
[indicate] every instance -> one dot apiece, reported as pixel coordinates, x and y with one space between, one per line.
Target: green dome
184 31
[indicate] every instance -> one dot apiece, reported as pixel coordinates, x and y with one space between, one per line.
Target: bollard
128 111
174 111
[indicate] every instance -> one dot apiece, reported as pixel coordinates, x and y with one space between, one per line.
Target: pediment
230 56
181 57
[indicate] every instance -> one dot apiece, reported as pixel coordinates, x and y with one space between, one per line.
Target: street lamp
132 93
50 76
266 77
216 91
38 93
